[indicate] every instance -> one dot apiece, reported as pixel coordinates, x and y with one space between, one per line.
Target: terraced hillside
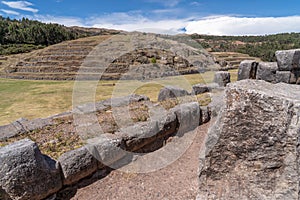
126 55
56 62
231 60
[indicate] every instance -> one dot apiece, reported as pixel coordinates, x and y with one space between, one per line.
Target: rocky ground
177 181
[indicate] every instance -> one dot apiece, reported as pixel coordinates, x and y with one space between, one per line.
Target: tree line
18 36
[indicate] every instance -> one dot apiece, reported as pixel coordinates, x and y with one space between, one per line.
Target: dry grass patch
36 99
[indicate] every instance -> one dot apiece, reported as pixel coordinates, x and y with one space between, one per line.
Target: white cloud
227 25
166 11
21 5
137 22
213 25
10 12
195 3
168 3
162 26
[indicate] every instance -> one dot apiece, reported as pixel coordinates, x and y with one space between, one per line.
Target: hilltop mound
111 57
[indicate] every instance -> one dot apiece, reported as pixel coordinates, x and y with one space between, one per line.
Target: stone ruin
252 149
286 69
26 173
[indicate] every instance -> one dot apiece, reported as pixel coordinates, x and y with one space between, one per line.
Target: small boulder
205 115
222 78
171 92
77 164
200 89
267 71
27 174
247 70
288 59
283 76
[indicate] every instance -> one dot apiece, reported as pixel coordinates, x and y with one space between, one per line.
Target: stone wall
25 173
286 69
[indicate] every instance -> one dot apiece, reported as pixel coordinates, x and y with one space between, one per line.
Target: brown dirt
177 181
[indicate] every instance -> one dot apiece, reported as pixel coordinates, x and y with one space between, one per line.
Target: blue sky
218 17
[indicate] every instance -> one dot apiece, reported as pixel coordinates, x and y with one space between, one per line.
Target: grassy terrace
34 99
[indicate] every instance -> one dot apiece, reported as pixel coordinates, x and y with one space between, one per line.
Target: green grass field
34 99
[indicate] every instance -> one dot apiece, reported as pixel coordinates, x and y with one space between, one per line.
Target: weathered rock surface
171 92
247 70
188 116
205 114
200 89
108 149
141 135
288 59
267 71
283 76
27 174
222 78
77 164
252 152
217 102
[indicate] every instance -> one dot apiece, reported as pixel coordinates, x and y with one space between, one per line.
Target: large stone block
171 92
108 150
252 152
222 78
247 70
77 164
27 174
288 59
283 76
144 133
267 71
188 116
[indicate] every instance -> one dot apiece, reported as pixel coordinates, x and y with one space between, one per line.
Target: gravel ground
177 181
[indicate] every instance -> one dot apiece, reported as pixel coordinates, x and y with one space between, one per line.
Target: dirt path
177 181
